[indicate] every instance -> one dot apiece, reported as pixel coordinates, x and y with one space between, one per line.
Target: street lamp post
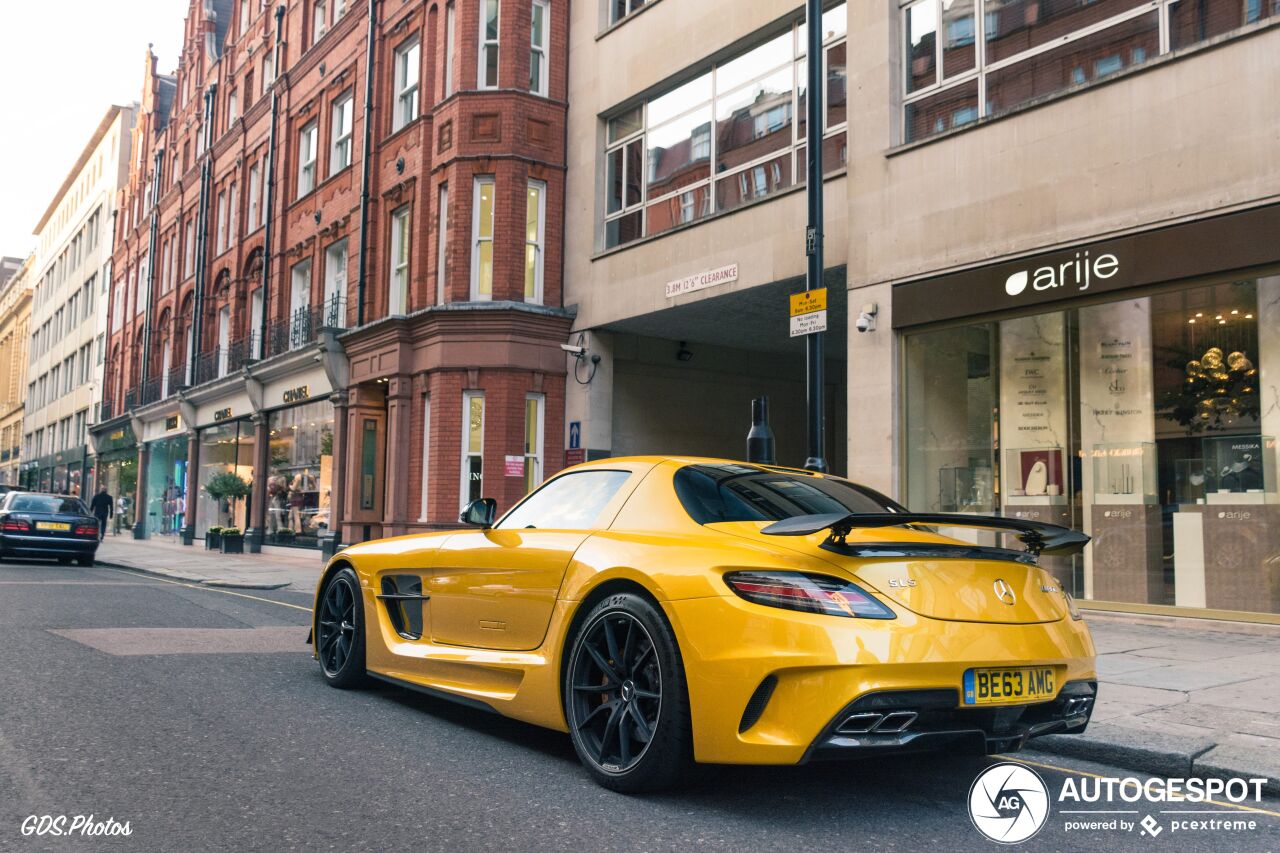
814 355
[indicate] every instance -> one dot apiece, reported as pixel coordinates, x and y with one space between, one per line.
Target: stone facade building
15 334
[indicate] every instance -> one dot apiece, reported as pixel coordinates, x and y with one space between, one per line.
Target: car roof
692 460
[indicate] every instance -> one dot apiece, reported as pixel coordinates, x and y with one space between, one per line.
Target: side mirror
482 512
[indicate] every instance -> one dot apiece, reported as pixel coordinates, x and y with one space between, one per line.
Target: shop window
165 497
226 468
1148 423
472 446
300 476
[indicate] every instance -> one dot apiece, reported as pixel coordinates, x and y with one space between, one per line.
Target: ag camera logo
1008 803
1016 283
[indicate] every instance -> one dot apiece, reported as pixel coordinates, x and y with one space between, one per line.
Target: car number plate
1006 685
52 525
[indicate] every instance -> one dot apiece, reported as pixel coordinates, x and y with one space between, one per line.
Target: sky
62 64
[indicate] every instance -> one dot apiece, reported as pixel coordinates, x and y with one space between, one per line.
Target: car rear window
711 493
46 503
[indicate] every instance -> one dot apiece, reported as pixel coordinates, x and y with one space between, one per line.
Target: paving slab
1118 663
1187 676
1218 719
1258 694
1245 757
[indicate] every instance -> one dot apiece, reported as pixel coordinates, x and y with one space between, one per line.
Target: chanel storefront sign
1236 241
297 395
222 414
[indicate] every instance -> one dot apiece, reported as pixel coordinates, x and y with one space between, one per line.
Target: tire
340 631
85 561
625 679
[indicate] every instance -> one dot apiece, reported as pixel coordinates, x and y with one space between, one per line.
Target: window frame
539 53
983 16
401 85
479 181
467 396
308 138
538 243
401 243
795 151
343 105
538 455
486 44
442 243
423 513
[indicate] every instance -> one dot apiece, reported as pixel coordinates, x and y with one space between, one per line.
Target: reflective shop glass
300 474
1149 423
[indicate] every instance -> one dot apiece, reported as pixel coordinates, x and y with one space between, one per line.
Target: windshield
711 493
46 503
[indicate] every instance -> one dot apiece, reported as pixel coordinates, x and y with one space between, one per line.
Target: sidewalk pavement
1182 697
245 571
1176 696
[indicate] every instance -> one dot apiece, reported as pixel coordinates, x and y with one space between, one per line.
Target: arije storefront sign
1211 246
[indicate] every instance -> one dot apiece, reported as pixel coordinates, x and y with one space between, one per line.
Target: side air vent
757 703
403 598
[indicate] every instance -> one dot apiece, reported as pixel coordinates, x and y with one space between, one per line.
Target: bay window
307 158
400 242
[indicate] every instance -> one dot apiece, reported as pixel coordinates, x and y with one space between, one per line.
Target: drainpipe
202 228
365 159
151 267
270 183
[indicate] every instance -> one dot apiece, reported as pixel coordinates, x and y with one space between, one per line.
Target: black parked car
38 524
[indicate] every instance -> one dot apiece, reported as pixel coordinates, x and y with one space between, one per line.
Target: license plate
52 525
1008 685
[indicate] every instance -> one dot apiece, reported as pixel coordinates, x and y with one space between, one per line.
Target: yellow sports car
666 611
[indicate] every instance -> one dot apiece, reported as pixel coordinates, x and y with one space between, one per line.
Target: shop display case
1124 473
1188 483
1239 469
965 488
1034 476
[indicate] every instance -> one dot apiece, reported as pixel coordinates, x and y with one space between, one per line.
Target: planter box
213 541
233 544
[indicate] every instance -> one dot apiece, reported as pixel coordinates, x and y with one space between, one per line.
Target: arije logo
1079 272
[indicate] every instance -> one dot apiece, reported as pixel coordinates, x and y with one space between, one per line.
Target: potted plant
227 487
232 540
285 536
213 539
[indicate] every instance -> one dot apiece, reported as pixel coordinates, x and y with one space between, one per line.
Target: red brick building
336 289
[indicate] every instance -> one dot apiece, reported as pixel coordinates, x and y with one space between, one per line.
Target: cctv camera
866 322
574 350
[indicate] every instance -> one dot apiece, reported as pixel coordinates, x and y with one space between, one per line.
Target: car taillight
87 529
16 525
806 592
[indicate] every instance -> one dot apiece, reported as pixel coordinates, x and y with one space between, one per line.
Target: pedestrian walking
103 507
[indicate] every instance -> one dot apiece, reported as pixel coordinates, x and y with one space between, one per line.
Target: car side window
569 502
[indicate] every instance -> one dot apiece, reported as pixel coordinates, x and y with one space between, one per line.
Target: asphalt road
221 734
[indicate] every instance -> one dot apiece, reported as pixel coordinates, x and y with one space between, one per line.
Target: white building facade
72 264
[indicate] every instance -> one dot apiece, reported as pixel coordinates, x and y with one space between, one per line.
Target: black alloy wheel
625 697
340 631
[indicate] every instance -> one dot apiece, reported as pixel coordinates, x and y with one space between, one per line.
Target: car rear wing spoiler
1038 537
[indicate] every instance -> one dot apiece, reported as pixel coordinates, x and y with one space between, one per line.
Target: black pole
152 238
201 235
269 193
366 158
814 379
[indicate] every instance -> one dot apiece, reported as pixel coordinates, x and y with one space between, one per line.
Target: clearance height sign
809 312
